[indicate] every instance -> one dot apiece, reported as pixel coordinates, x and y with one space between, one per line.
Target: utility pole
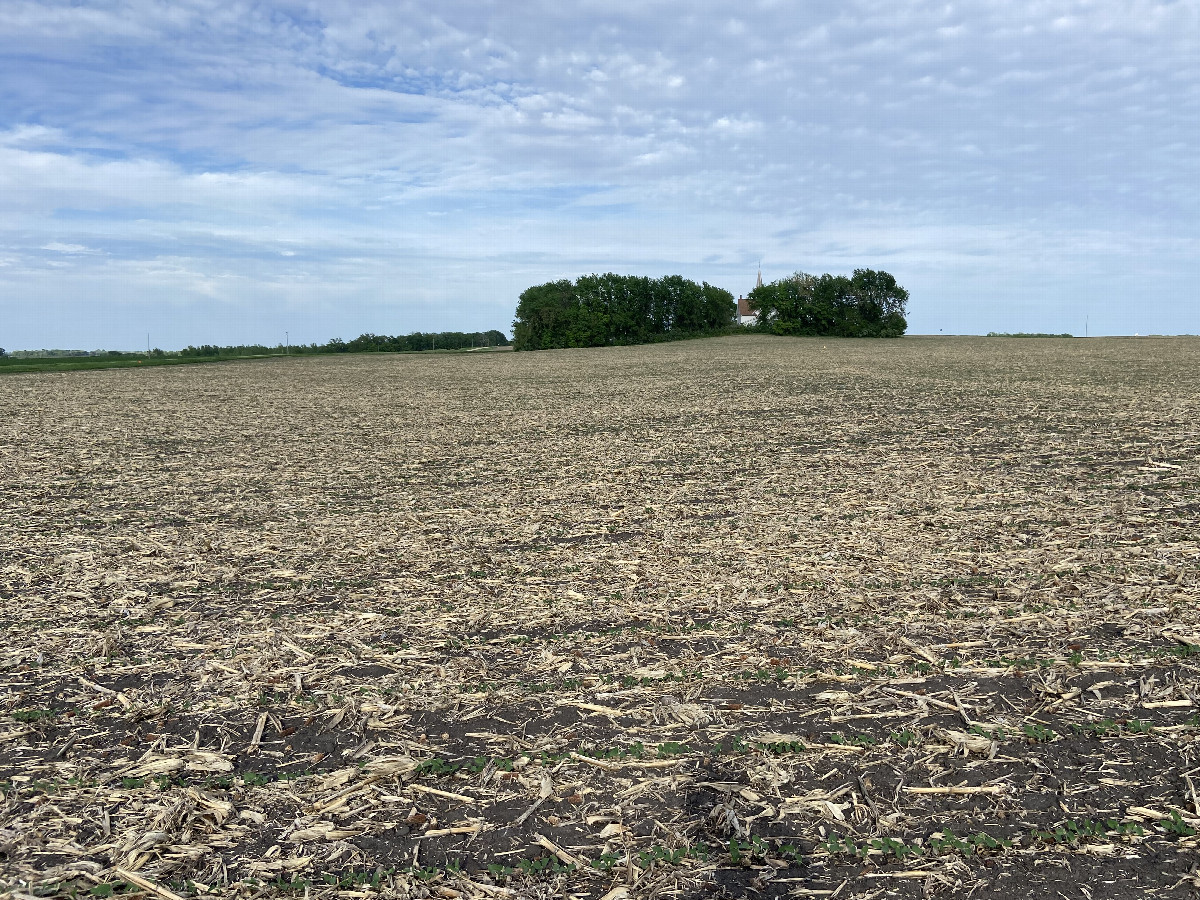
287 344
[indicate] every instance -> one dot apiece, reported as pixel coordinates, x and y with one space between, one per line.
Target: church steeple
759 278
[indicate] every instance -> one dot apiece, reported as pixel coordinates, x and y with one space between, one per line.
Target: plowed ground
743 617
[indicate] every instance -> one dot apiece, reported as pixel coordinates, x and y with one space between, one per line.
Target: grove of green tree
597 310
869 303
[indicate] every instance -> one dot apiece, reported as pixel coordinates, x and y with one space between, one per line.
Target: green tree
784 305
882 301
496 338
617 309
867 304
719 306
546 316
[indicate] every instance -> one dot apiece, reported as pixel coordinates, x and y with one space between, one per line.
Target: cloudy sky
228 171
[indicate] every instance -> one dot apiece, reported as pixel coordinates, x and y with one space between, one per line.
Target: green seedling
1181 650
1176 826
1072 832
742 852
1038 733
855 740
659 854
436 766
738 746
1111 728
947 841
544 864
898 849
292 885
353 879
781 748
108 888
839 846
672 748
836 845
998 734
605 862
984 841
792 852
735 851
32 715
477 765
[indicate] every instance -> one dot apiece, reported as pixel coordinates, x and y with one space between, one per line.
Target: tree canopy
596 310
867 304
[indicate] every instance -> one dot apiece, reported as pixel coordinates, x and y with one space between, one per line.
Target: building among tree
745 315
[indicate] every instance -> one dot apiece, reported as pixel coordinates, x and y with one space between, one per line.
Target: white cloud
596 135
58 247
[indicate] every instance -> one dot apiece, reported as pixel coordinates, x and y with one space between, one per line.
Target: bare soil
744 617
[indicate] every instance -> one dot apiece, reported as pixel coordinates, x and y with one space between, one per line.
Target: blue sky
223 172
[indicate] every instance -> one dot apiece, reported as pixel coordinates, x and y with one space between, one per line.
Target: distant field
25 364
746 617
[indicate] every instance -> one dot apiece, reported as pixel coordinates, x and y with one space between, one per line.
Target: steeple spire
759 278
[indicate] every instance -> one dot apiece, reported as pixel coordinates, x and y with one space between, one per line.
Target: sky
190 172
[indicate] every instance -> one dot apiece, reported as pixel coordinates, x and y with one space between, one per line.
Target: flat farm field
744 617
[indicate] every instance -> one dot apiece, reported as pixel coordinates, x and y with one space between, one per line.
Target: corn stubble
743 617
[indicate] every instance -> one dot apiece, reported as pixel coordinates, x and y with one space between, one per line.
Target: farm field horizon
745 617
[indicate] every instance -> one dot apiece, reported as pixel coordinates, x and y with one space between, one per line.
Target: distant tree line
1026 334
865 304
231 350
81 354
51 354
442 340
596 310
366 343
